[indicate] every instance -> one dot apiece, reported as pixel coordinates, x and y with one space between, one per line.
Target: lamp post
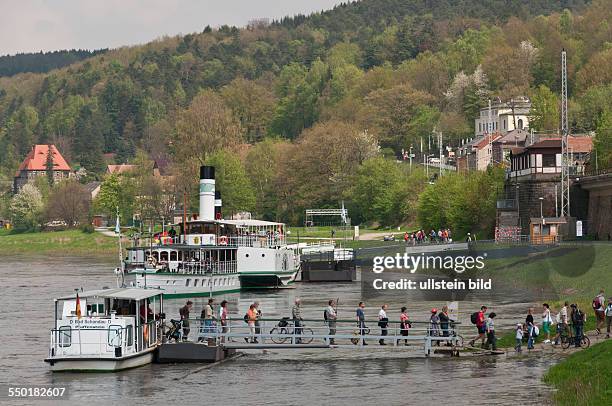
541 207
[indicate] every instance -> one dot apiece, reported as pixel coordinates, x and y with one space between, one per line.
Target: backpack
596 304
246 318
325 314
535 331
474 317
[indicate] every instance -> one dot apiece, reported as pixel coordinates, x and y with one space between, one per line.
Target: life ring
223 240
151 261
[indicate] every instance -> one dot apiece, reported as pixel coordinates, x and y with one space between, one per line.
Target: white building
503 117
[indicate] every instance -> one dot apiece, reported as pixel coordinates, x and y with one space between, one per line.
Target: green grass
69 242
583 378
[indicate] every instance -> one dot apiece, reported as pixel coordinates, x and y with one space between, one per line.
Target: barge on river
211 255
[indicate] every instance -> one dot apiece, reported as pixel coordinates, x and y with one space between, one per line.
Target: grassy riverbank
584 378
69 242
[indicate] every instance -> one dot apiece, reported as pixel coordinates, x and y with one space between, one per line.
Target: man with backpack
330 316
478 318
184 313
578 319
599 309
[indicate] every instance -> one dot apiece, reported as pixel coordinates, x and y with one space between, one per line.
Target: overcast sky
35 25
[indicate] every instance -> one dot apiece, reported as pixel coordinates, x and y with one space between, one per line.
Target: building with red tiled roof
35 165
121 168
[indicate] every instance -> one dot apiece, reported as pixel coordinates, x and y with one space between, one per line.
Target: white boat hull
101 364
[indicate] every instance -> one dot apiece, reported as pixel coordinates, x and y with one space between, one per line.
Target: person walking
530 329
184 314
578 319
251 318
444 321
361 321
296 314
383 323
223 312
434 325
562 323
258 321
490 328
404 324
519 338
330 317
599 304
546 322
207 319
608 312
480 326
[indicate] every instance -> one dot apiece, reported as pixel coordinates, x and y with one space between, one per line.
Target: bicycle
567 340
286 327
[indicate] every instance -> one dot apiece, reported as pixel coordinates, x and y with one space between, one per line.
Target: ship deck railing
275 333
71 341
190 268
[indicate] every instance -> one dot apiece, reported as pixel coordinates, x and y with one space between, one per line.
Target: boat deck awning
119 293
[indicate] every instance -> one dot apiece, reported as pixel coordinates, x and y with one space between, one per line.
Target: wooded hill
314 96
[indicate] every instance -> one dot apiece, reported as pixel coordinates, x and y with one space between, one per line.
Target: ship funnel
218 204
207 192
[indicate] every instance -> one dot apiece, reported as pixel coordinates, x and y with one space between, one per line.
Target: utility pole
440 148
565 181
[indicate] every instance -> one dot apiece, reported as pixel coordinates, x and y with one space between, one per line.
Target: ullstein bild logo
412 263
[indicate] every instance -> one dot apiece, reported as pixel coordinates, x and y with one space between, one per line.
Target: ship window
173 256
195 282
187 282
156 255
130 336
203 282
163 256
114 336
263 255
247 255
65 336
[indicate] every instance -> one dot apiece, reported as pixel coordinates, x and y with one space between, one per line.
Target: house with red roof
36 164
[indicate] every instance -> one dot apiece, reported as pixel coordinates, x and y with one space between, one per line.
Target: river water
304 377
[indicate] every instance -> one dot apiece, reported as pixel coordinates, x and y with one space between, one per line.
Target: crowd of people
443 235
569 321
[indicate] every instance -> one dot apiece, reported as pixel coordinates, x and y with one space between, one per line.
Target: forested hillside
42 62
299 106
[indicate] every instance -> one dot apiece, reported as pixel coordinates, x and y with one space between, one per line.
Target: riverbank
583 378
68 242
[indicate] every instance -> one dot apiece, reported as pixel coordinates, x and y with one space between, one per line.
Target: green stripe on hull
198 294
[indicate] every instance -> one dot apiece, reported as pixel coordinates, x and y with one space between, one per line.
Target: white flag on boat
117 228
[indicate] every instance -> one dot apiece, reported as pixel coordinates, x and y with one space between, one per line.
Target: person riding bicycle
296 314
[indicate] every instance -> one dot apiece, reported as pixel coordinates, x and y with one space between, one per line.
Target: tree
232 181
263 166
68 202
206 127
544 113
398 115
116 192
49 166
26 208
318 169
252 104
380 191
603 142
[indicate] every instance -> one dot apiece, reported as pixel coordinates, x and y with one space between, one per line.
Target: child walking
519 338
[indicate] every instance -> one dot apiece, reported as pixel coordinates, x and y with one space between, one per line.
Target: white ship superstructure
211 255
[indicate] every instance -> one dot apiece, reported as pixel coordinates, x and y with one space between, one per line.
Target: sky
47 25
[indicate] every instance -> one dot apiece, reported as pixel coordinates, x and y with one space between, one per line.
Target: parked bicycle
285 329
